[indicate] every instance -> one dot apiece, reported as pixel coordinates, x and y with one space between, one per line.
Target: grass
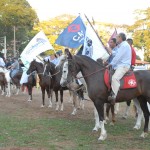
67 134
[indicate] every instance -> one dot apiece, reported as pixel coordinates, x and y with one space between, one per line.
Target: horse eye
64 71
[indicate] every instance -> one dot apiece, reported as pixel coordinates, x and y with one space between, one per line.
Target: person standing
120 63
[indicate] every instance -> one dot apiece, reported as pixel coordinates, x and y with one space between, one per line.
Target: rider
2 63
14 67
120 63
113 49
130 41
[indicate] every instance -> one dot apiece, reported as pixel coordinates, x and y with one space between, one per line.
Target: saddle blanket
127 82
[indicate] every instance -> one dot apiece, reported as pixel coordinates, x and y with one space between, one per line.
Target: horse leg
107 112
43 97
139 114
81 98
113 114
143 104
116 108
96 117
99 104
127 110
57 105
29 87
61 99
71 96
74 103
8 90
50 98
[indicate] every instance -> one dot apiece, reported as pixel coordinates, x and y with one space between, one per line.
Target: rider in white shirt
2 63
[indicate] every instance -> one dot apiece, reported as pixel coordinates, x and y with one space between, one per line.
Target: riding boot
112 98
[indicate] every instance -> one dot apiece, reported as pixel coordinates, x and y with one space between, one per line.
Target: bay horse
74 88
45 80
93 74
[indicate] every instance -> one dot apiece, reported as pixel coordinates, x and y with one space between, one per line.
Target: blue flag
73 35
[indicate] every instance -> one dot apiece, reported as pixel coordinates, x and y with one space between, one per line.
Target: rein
90 74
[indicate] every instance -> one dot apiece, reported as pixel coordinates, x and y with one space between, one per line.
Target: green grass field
67 134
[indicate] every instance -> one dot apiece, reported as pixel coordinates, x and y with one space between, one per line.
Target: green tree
18 14
141 31
53 27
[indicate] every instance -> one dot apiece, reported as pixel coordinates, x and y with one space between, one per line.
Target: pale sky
110 11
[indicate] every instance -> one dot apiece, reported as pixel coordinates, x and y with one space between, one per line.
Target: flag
37 45
113 35
73 35
93 47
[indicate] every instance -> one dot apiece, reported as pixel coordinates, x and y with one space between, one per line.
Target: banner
93 47
73 35
37 45
114 35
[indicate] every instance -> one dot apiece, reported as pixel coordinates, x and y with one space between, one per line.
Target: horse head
35 66
62 59
69 70
49 67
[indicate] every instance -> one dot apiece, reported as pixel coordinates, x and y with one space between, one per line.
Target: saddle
127 82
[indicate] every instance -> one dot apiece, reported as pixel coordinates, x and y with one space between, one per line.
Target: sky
110 11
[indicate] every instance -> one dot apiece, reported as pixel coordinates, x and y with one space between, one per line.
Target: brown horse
45 80
93 74
74 88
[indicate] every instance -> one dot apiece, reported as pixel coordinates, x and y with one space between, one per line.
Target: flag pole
95 32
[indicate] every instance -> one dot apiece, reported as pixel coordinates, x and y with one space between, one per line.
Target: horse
30 84
3 82
93 73
8 79
45 80
74 88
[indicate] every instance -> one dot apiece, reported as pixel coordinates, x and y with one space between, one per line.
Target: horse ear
48 61
67 52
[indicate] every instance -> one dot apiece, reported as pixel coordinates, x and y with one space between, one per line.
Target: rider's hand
108 66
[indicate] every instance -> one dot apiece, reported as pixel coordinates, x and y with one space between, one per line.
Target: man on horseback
14 68
120 63
2 63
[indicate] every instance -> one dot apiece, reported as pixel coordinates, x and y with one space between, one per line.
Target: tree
53 27
18 14
141 31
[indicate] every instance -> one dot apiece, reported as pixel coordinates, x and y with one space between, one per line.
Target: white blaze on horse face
64 73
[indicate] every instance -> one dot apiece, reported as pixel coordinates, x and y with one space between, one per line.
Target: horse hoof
124 117
29 100
111 124
50 106
107 119
137 127
95 129
42 106
144 135
102 137
105 122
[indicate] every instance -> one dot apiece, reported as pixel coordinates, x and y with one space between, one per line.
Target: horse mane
90 60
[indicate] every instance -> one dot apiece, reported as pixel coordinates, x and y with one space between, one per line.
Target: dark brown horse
45 80
55 75
75 89
3 82
30 84
93 74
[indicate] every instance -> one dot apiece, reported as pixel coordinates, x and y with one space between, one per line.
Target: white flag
93 46
37 45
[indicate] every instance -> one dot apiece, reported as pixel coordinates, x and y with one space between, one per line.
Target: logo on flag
93 47
37 45
73 35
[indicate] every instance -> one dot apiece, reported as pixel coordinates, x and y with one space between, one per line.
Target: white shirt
2 63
